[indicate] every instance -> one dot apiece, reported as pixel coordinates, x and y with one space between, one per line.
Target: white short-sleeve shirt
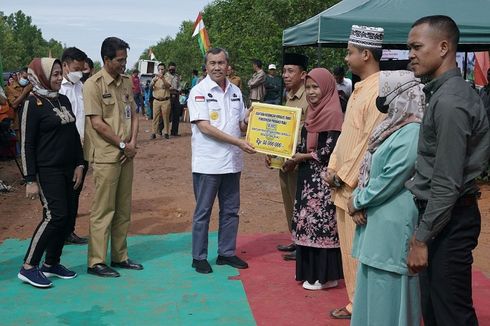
224 110
345 86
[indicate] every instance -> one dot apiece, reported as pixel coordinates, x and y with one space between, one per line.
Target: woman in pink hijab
318 258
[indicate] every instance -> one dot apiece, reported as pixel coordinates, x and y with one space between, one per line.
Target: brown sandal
340 313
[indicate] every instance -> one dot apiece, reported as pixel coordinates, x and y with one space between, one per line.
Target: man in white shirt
73 61
344 86
218 117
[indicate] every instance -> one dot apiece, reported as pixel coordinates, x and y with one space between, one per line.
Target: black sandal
340 313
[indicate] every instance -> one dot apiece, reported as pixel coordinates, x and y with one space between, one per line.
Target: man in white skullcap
364 52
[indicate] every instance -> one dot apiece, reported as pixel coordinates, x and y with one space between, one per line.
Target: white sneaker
319 286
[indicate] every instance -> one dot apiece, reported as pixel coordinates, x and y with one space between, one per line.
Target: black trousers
77 192
445 285
175 112
58 200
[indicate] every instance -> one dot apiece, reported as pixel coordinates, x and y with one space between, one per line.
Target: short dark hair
195 72
216 51
23 69
111 45
73 54
257 62
444 25
161 64
90 63
136 71
377 53
172 64
339 71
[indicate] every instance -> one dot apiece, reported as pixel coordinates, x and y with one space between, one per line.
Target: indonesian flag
151 54
203 39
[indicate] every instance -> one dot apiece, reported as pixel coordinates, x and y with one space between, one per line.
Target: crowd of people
381 191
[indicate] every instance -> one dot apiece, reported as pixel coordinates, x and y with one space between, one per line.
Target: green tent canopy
331 28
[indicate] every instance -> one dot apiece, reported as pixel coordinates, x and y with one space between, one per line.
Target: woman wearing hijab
318 258
384 210
52 160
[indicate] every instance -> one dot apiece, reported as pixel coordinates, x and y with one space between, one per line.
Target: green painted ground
167 292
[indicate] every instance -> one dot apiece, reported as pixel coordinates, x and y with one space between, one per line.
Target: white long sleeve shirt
74 92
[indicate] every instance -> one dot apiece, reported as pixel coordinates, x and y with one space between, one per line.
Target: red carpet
277 299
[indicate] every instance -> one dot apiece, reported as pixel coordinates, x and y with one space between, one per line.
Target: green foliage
248 30
21 41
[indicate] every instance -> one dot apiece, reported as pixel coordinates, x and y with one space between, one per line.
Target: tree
248 30
21 41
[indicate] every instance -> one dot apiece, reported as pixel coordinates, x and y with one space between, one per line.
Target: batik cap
369 37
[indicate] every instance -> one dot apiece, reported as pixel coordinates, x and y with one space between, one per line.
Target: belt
463 201
163 99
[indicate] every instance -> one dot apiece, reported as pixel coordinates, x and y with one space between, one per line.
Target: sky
85 24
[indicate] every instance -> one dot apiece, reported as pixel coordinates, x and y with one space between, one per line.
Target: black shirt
453 149
49 135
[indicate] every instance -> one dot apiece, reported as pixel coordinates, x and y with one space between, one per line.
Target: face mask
85 76
383 102
75 76
23 82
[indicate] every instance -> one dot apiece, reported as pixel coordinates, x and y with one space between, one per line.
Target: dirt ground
163 199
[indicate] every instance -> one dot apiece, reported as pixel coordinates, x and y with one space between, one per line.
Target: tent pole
282 80
318 54
465 64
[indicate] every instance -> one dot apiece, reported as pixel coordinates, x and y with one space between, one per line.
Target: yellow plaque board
273 129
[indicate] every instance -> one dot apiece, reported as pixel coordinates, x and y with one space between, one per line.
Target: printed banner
273 129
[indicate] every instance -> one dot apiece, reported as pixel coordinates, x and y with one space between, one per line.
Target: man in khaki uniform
294 73
161 104
234 79
110 145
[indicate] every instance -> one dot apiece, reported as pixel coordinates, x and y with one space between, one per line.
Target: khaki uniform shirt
360 118
237 81
112 99
298 100
161 88
174 82
13 92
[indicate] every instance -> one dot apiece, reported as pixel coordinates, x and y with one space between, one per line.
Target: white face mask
23 82
75 76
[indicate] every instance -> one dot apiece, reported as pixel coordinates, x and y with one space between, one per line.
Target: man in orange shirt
363 55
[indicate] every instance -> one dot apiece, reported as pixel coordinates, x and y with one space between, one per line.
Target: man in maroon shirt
137 91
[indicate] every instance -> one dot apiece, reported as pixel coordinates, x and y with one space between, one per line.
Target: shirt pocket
215 114
108 107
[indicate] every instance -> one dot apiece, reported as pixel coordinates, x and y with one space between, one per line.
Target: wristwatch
122 145
336 181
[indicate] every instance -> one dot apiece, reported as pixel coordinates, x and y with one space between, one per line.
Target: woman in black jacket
52 160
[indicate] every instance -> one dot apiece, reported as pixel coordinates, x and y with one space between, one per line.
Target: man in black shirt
453 150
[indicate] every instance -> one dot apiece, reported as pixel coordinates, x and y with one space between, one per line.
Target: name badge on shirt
127 111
